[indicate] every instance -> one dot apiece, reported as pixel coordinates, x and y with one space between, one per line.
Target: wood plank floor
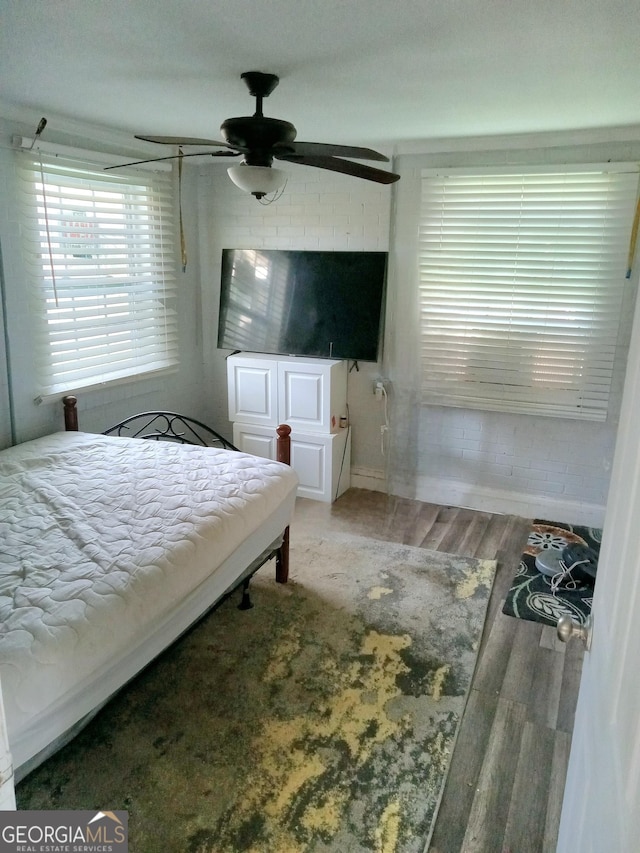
505 785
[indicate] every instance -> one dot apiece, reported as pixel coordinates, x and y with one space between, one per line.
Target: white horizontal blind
521 285
100 250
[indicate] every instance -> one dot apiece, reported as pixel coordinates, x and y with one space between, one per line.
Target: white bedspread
100 538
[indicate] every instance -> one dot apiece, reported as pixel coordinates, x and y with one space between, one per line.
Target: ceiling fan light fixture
257 180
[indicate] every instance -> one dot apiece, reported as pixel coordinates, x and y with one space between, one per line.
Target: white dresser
308 394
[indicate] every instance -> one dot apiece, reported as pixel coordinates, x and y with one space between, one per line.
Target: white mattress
111 547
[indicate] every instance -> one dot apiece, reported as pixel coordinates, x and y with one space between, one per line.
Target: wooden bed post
70 413
283 454
283 444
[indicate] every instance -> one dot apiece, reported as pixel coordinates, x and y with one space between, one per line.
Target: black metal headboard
169 426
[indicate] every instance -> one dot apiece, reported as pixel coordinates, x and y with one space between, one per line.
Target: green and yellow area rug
320 721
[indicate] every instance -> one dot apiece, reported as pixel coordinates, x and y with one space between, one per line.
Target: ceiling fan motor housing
256 136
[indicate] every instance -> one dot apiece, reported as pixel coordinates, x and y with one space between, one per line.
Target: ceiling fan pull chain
183 244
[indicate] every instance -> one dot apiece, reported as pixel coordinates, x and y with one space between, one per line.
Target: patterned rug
320 721
531 595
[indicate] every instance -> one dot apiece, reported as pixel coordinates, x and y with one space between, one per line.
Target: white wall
318 210
5 407
180 390
505 463
532 466
554 468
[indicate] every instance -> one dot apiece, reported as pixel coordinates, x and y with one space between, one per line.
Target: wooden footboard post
70 413
283 454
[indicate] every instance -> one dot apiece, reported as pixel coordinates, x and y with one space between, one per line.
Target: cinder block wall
496 462
317 210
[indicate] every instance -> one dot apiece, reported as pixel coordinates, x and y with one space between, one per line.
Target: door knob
568 629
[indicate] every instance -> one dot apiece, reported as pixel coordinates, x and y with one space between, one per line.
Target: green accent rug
320 721
531 595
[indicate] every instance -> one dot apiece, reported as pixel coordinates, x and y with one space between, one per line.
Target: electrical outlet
378 389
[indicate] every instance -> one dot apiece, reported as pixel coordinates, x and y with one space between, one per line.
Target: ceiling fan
259 140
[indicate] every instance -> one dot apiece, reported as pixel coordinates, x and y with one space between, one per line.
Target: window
99 246
521 285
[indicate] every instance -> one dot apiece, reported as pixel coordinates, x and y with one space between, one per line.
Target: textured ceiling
351 71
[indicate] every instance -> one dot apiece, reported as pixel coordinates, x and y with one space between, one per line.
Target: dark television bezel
287 352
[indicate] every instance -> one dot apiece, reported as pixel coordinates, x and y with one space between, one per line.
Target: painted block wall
5 418
180 390
317 210
554 468
496 462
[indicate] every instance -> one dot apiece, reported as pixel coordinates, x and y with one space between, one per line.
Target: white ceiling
351 71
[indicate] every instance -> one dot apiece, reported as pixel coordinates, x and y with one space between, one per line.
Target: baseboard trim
454 493
368 478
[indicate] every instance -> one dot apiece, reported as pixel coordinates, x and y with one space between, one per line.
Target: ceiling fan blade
335 164
323 149
182 140
176 157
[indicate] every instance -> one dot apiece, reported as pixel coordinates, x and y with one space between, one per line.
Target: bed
112 548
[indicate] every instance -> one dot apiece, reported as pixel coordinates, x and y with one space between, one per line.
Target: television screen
309 303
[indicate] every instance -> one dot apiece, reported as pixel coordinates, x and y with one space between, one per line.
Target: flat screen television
305 303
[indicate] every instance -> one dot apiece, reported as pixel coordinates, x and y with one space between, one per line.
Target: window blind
99 247
521 282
